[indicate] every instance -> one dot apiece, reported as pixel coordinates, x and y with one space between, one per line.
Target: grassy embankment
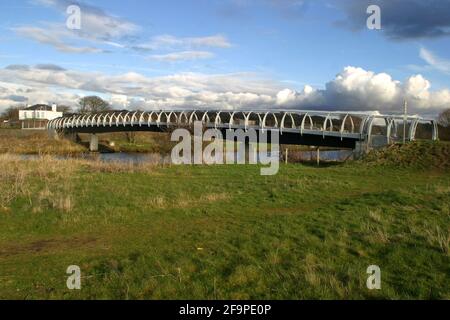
225 231
18 141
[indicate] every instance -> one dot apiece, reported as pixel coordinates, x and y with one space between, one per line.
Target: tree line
86 105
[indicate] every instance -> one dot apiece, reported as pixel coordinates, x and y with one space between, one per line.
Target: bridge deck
318 128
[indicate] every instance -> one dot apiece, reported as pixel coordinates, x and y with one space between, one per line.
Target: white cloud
102 32
182 56
352 89
15 94
97 27
358 89
95 23
53 36
434 61
308 97
119 101
170 42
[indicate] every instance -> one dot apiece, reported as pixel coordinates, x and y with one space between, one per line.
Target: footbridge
360 130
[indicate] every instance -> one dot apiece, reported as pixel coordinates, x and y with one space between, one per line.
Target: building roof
41 107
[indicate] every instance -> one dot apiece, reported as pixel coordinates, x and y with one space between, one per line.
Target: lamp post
405 119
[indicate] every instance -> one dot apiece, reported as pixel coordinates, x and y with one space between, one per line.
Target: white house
37 116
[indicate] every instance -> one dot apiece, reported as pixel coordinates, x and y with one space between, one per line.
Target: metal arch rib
302 126
150 118
347 116
217 119
324 125
133 118
247 119
168 121
194 113
283 119
141 117
265 118
412 129
435 132
231 122
205 114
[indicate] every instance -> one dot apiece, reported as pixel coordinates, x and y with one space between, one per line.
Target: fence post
318 156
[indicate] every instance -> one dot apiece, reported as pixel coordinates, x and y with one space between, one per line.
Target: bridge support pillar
53 134
93 143
361 148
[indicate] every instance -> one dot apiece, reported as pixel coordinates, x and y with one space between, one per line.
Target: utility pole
405 119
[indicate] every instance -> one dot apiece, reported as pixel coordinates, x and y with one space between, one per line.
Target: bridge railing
357 125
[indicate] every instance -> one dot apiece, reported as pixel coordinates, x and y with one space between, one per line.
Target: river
297 156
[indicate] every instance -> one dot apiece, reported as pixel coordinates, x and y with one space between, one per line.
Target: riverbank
221 232
29 142
17 141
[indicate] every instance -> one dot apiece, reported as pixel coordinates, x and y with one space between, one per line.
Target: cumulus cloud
362 90
20 95
307 98
353 89
401 19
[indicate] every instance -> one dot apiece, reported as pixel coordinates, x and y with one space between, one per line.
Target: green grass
225 232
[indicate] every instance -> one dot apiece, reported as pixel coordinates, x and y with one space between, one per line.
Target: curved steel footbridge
303 127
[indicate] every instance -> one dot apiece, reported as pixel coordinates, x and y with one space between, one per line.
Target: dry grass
182 202
311 275
439 238
418 154
375 233
35 142
15 173
47 182
376 215
117 166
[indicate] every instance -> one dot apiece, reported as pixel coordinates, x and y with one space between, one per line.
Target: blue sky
228 54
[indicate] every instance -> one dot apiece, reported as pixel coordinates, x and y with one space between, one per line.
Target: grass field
222 232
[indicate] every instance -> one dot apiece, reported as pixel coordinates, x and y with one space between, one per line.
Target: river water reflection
156 158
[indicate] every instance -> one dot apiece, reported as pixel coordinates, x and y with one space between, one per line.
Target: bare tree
92 104
444 118
11 114
64 109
